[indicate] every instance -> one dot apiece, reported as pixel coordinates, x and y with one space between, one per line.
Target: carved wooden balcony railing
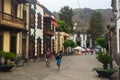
11 21
48 32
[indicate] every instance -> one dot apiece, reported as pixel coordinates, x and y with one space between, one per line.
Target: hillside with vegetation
82 16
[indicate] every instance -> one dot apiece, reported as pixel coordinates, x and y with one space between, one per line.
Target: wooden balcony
23 1
12 22
48 32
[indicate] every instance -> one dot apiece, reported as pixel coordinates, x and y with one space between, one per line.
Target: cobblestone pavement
77 67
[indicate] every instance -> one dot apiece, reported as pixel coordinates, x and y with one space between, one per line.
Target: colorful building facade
60 38
12 24
25 29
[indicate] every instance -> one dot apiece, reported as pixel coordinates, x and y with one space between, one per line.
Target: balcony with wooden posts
48 29
11 22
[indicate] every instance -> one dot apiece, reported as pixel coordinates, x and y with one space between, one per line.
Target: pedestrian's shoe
58 69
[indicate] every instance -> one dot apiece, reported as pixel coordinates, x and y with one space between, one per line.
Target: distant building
80 37
60 38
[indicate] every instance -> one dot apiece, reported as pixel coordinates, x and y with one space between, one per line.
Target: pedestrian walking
48 57
91 51
58 59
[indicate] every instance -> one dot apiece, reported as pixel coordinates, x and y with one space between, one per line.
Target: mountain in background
82 16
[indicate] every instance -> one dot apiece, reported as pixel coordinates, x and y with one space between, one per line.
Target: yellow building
13 16
60 38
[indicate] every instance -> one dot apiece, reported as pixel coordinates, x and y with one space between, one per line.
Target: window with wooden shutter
39 21
14 6
32 20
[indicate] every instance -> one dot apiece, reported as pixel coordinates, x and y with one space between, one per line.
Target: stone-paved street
77 67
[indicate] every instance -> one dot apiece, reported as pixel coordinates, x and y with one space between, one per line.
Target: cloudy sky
55 5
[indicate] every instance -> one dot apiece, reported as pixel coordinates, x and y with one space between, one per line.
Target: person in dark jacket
58 58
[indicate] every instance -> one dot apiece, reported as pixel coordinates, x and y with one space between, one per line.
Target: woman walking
48 57
58 59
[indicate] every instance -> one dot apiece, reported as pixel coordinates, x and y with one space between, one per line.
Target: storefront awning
54 23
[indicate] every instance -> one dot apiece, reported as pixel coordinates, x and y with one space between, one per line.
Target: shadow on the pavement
101 78
115 76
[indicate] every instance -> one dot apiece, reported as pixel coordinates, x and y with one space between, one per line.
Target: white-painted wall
118 26
83 39
38 32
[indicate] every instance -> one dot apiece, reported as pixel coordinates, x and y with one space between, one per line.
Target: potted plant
104 71
7 65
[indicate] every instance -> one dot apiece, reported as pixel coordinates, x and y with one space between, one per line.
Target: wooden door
24 48
32 50
13 43
38 49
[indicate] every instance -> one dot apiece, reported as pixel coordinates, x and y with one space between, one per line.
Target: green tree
66 14
102 42
95 29
63 27
105 59
69 43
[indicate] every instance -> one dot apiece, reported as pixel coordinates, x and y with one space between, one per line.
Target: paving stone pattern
74 67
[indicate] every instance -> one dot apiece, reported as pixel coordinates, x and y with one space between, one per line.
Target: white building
39 28
36 30
79 37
